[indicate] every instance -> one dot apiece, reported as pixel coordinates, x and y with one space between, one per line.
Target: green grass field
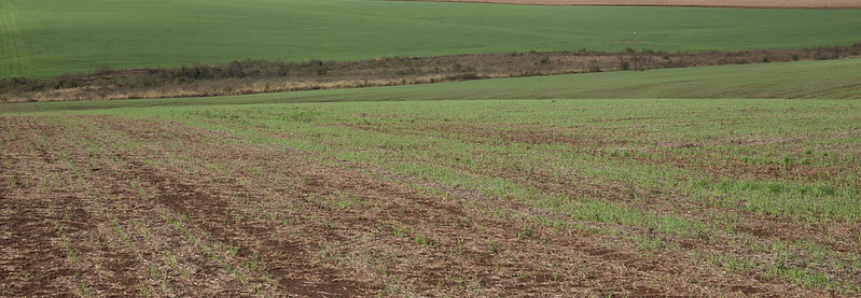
52 37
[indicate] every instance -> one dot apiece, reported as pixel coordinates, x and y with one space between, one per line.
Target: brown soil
695 3
101 206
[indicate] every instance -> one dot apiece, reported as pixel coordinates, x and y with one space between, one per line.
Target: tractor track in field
14 57
41 253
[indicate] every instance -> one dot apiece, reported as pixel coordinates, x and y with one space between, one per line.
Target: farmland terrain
264 196
831 79
46 38
831 4
739 178
260 76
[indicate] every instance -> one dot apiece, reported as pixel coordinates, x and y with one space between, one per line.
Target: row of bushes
160 76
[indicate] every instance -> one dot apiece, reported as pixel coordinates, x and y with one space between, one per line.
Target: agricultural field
832 79
738 180
829 4
44 38
308 194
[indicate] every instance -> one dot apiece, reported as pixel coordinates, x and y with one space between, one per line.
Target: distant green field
833 79
52 37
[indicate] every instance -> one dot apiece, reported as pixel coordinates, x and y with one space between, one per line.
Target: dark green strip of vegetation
261 76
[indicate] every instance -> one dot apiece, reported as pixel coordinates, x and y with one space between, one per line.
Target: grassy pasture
291 193
52 37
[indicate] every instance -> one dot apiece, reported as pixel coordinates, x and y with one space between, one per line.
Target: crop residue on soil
365 200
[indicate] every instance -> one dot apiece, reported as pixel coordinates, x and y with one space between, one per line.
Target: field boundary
14 57
262 76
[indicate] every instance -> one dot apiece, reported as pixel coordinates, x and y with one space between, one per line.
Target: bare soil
109 207
694 3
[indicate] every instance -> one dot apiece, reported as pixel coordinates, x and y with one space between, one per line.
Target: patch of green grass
15 58
53 37
805 277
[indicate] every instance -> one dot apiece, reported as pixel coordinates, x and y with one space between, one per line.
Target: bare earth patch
106 206
141 222
694 3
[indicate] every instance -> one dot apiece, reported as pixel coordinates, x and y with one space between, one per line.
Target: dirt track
696 3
